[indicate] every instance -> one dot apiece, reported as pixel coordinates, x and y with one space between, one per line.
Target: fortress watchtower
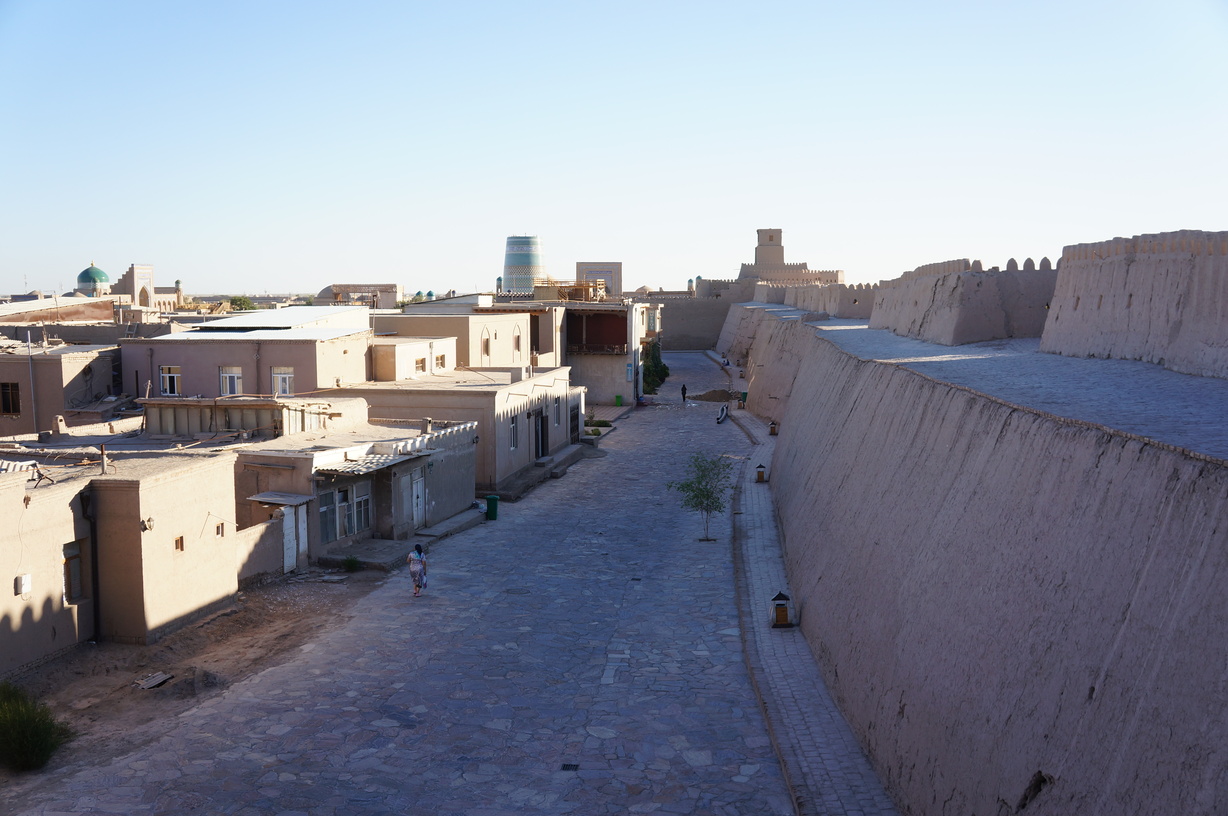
771 250
770 266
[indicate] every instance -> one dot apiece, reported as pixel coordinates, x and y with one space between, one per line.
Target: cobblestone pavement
826 768
1127 395
581 654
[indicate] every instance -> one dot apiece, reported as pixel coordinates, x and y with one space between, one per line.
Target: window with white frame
283 381
328 517
515 432
231 380
170 379
362 506
345 512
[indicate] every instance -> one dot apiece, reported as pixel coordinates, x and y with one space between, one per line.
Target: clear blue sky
246 147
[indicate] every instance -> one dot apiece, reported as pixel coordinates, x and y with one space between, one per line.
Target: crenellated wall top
1181 242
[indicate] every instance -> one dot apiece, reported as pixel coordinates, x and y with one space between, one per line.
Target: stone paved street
581 654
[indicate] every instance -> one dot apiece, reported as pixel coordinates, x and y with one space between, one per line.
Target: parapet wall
1010 608
966 306
1160 298
853 302
790 273
941 268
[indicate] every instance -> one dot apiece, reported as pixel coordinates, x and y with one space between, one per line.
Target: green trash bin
618 400
492 508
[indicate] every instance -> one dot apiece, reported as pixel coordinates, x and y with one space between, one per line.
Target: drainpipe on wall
33 401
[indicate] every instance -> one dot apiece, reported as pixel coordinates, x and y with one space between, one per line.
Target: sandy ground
93 688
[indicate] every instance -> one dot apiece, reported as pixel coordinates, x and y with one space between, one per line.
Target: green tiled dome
92 275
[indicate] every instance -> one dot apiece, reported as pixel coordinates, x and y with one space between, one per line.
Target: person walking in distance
684 393
417 569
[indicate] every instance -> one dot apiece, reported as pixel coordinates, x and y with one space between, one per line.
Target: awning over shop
284 499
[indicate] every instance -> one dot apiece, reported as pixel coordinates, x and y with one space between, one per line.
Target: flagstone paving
581 654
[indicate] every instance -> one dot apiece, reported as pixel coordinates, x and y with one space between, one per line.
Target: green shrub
597 423
655 369
351 563
29 734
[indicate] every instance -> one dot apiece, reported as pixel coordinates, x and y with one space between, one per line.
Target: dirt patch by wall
91 688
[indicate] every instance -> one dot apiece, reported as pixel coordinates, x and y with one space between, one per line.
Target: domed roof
92 274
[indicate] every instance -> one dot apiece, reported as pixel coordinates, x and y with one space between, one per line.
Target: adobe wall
258 549
854 302
1160 298
692 323
39 624
952 306
995 593
739 332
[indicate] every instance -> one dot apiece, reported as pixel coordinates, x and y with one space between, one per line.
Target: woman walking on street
417 569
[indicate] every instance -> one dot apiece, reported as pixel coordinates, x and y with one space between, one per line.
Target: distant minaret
771 250
522 264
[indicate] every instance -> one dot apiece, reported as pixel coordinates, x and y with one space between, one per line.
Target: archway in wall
516 345
142 298
484 351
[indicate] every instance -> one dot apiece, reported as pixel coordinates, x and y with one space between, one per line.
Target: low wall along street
1012 609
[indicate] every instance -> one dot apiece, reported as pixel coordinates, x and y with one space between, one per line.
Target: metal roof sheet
369 463
277 497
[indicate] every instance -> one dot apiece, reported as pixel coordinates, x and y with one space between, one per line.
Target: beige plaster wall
1161 298
317 364
396 358
40 624
605 376
968 306
258 549
994 593
62 380
469 329
165 587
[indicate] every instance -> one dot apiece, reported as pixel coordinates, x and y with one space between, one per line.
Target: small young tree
707 486
242 303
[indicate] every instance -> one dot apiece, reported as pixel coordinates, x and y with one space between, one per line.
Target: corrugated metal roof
369 464
277 497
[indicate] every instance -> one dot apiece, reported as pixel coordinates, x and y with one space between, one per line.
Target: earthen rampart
1011 608
956 302
1160 298
853 302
